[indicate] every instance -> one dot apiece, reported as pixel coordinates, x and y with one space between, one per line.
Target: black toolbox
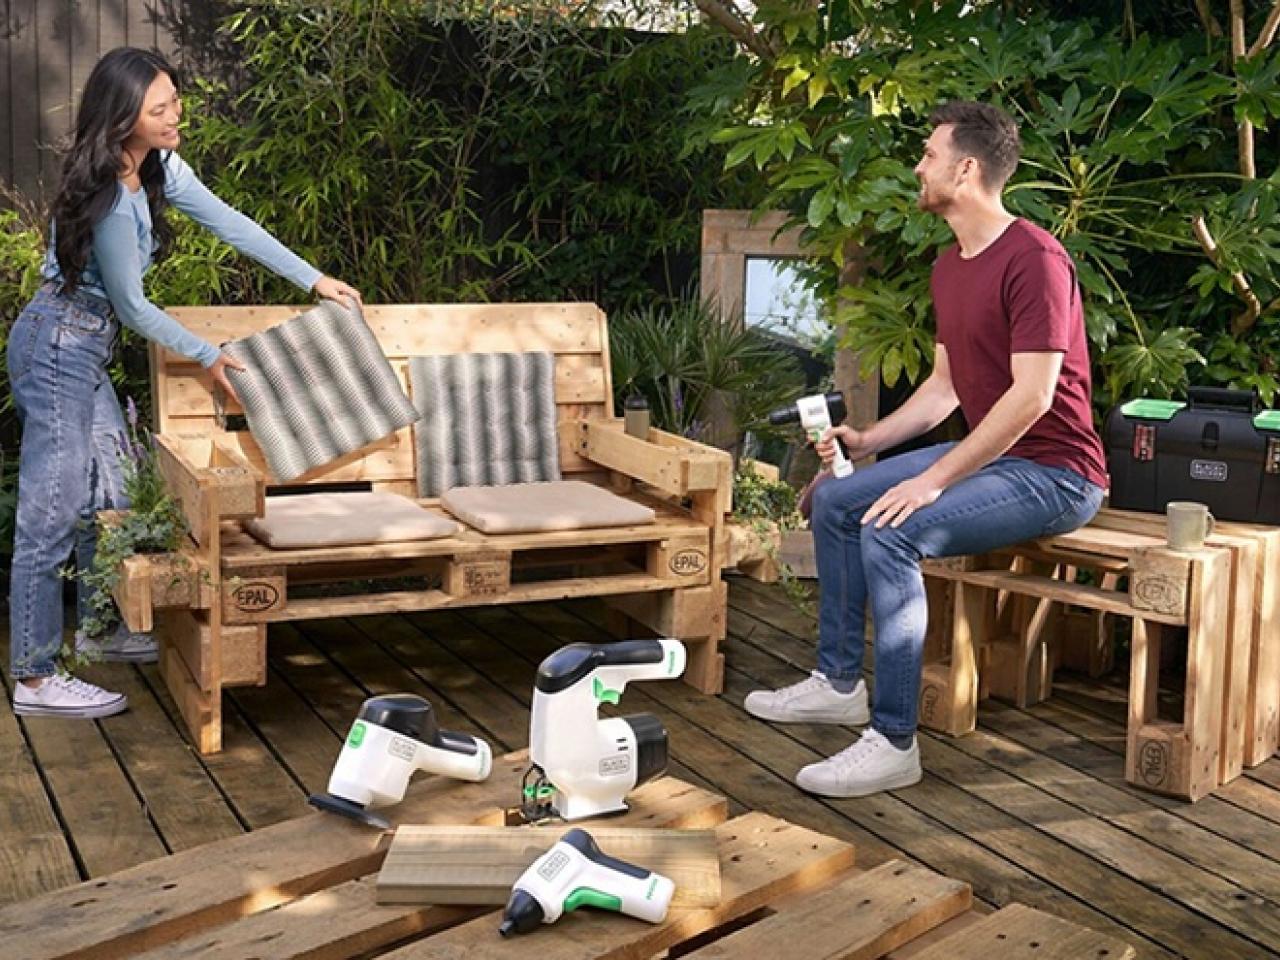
1218 448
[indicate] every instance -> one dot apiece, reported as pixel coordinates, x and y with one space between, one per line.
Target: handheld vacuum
816 414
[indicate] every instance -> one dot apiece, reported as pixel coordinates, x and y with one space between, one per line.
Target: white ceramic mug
1189 524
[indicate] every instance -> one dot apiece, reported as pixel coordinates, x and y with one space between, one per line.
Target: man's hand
219 370
332 289
855 444
901 501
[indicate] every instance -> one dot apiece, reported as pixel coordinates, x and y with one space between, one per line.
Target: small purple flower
131 414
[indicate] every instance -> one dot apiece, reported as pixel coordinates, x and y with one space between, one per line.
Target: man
1012 354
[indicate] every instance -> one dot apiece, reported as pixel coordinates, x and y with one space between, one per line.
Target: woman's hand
855 444
332 289
219 370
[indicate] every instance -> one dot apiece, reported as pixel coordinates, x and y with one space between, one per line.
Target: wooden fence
47 48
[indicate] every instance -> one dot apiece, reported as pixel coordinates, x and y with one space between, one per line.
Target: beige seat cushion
344 519
553 505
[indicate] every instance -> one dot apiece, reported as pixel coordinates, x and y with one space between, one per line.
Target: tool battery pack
1218 448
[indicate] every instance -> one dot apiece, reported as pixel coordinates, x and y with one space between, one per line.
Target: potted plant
153 524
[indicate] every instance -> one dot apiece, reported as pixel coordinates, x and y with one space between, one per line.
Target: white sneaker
62 695
810 701
123 646
872 764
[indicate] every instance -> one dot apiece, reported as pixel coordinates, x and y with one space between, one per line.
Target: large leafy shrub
1130 139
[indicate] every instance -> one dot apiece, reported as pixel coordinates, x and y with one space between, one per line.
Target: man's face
940 171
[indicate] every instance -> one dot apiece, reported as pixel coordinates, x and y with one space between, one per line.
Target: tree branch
1268 30
1253 308
1207 19
1244 129
1237 29
730 18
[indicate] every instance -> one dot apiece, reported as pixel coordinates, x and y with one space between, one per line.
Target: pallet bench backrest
577 333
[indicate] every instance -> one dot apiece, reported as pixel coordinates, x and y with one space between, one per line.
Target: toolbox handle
1223 398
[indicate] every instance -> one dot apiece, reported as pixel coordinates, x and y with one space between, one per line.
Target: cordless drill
575 873
816 414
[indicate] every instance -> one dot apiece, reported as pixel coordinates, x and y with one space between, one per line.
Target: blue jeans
1006 502
69 462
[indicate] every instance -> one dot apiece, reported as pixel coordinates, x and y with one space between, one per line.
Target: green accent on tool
540 791
671 658
1267 420
357 734
603 693
653 884
586 897
1148 409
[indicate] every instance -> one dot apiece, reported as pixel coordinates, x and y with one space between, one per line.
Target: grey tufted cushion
317 387
486 419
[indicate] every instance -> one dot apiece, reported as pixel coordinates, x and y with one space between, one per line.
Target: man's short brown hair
984 132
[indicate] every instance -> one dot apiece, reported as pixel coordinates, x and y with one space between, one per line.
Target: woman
108 225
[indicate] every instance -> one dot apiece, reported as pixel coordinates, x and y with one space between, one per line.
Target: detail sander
584 766
393 736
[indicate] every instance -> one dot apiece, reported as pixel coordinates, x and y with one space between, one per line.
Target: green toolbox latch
1148 409
1267 420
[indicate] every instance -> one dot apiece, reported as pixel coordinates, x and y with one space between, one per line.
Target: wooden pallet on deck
306 888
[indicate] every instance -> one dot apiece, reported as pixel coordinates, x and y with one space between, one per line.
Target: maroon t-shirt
1020 296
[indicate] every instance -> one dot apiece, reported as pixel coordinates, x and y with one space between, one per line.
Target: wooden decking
1033 807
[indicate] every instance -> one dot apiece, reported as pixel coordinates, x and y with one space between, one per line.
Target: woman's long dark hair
109 108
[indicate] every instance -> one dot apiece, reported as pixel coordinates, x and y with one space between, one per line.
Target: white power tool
816 414
584 766
575 873
392 737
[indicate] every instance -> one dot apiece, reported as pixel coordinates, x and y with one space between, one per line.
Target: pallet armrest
198 468
670 463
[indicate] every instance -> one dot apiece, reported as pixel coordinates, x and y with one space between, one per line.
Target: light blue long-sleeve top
123 248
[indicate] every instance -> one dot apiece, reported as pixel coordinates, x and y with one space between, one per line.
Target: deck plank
108 822
180 797
1031 808
34 855
258 789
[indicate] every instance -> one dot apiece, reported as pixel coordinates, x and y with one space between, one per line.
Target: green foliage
153 524
1126 138
686 360
21 253
770 508
754 497
454 151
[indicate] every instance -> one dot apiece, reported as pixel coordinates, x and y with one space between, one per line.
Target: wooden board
861 918
479 865
1021 933
764 859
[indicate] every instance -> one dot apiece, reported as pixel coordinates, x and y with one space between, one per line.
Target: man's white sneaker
810 701
872 764
62 695
122 646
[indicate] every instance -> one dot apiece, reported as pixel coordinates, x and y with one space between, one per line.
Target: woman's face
157 125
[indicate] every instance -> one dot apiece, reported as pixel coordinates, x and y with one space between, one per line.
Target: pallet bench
210 604
1000 623
305 888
